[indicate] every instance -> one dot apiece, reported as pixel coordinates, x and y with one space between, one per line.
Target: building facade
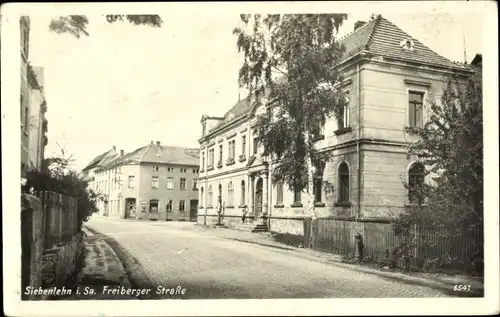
155 182
38 126
389 79
25 94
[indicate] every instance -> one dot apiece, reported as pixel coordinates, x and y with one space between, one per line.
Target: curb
444 287
124 280
135 275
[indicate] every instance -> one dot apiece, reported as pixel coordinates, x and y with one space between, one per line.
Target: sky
127 85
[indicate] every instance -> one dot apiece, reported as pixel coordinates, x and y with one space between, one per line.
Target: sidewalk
102 268
435 280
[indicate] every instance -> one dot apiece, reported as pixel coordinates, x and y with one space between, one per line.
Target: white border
10 176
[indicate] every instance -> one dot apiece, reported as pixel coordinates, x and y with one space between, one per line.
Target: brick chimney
122 152
158 143
152 142
114 148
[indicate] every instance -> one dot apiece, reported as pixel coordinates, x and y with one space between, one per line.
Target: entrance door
258 199
193 210
129 208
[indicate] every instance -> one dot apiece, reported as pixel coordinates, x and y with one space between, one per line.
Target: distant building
38 126
88 172
153 182
388 78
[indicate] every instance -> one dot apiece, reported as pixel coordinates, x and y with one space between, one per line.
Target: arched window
210 196
230 194
415 183
243 190
343 182
201 196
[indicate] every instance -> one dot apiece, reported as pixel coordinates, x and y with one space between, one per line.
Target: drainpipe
358 213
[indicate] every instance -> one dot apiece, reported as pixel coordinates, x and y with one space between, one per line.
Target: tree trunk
310 183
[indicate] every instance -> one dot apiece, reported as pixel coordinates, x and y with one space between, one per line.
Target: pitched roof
162 154
383 38
98 160
380 37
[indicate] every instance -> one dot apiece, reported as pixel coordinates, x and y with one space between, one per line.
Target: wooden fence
51 239
379 240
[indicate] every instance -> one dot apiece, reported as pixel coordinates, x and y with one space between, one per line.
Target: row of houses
155 181
389 77
33 106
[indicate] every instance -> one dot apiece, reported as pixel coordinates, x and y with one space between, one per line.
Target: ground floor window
169 205
182 205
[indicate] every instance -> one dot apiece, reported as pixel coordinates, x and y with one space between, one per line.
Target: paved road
207 266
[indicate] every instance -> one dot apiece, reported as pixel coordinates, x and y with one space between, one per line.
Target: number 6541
461 288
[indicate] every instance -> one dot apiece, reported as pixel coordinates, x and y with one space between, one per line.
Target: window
243 191
344 118
211 157
170 183
210 196
26 117
317 131
155 183
318 183
153 206
297 196
183 184
343 182
182 205
279 193
202 160
170 169
232 147
195 184
415 108
243 144
201 197
169 205
230 194
220 152
183 170
255 145
156 168
415 183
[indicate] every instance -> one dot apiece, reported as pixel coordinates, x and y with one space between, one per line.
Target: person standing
244 215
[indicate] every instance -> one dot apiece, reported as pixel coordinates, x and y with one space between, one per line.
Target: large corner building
389 78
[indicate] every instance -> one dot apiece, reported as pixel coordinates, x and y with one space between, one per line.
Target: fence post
417 243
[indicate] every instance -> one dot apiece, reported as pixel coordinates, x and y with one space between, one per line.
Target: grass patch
293 240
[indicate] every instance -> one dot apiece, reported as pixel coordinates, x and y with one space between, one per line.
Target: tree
303 50
77 24
451 150
56 175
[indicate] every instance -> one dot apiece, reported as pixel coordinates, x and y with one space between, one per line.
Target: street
180 255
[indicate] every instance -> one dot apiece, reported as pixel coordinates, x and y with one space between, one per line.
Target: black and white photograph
250 158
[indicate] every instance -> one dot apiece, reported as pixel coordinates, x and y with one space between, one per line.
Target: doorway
258 198
193 210
130 208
